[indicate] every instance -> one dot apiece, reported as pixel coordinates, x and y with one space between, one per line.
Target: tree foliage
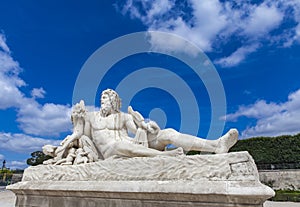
281 152
38 157
5 176
271 150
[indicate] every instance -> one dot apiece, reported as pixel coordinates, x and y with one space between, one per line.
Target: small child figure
80 157
69 159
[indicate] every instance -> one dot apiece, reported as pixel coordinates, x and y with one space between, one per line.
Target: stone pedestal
203 180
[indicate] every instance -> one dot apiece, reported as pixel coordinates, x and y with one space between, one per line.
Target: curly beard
105 111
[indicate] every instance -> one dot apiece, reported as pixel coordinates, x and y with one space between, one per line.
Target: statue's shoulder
91 115
125 115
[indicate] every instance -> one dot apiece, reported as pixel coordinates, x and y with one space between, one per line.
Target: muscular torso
107 130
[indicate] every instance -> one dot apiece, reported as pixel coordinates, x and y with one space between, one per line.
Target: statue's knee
171 132
167 135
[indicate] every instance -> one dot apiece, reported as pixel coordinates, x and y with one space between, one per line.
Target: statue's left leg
127 149
189 142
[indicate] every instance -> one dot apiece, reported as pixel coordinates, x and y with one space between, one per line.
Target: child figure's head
72 150
79 151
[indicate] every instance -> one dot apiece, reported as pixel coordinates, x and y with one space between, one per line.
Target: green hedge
286 195
283 152
271 150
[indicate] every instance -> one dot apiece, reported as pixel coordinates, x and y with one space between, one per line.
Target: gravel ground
281 204
7 199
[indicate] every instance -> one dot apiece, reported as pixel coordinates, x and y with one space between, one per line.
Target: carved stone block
200 180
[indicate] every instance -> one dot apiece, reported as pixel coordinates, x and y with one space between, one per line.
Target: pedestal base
140 193
223 180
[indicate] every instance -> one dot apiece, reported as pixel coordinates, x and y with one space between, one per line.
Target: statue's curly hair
114 99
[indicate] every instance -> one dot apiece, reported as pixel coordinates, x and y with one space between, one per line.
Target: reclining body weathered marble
85 173
104 133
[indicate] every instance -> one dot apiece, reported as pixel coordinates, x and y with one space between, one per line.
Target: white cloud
238 56
22 143
10 95
3 44
273 119
165 43
42 120
258 110
47 119
201 30
211 23
262 20
16 164
38 93
159 7
37 119
208 21
150 9
293 6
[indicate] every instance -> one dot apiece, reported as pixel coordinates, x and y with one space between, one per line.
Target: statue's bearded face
106 106
110 102
105 100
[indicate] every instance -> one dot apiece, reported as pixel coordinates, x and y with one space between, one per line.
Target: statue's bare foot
227 141
175 152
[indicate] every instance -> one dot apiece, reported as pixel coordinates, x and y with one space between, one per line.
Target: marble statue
99 164
103 134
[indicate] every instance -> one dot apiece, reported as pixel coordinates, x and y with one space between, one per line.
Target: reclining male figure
108 129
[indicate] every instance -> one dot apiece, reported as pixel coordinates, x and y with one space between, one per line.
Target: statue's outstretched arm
142 127
137 118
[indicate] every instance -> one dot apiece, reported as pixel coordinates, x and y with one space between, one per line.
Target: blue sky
254 47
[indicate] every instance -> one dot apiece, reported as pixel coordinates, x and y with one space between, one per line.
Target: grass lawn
286 195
